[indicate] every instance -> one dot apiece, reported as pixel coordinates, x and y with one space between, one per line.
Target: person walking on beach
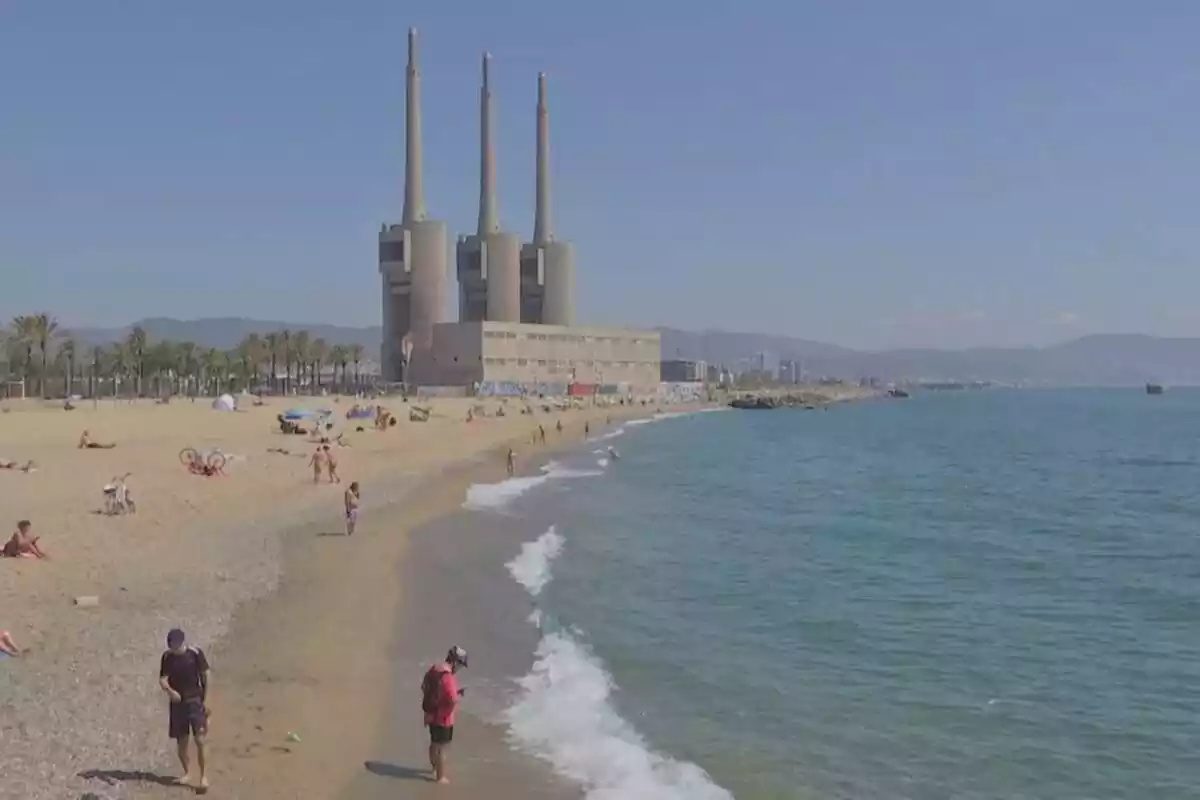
317 462
512 462
587 430
183 675
440 695
331 465
352 500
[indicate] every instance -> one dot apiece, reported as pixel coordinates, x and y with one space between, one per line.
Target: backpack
431 690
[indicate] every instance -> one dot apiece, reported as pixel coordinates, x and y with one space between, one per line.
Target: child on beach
23 543
352 499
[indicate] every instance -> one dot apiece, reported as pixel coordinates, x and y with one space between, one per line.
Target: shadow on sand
397 771
112 777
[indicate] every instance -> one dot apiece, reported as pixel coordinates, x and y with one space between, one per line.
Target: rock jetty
764 402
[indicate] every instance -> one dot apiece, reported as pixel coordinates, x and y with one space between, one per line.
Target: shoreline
314 656
299 624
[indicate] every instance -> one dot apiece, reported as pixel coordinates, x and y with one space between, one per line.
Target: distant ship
897 393
1154 388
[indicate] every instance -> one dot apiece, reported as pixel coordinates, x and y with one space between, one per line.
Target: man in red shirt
440 697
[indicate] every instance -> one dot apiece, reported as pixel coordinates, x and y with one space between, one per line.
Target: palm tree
252 350
24 334
301 352
318 352
216 369
339 355
45 328
65 358
119 363
137 354
285 345
94 379
186 365
273 342
356 354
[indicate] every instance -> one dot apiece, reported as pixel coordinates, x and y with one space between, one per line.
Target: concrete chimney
489 221
414 188
543 225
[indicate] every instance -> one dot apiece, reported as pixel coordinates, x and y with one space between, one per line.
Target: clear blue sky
871 173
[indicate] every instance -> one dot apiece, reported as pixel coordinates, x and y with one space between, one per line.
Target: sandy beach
301 623
82 710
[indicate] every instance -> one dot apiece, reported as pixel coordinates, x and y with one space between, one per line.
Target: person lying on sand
86 443
28 466
23 543
7 645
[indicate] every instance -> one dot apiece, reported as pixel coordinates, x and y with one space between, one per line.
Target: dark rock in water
765 402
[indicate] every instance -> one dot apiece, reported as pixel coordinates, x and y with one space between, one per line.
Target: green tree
24 335
136 346
356 354
45 329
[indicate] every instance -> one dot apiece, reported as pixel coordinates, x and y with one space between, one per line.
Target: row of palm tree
49 362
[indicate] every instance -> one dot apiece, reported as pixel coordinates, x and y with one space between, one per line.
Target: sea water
963 595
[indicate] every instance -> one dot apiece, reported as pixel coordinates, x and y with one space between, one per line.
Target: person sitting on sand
86 443
7 645
352 498
23 543
317 462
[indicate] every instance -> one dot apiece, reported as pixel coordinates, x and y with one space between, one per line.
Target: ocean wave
564 714
531 567
494 496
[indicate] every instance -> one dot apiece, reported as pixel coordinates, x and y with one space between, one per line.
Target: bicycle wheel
216 461
188 456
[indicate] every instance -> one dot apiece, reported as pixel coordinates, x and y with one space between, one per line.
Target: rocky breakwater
765 402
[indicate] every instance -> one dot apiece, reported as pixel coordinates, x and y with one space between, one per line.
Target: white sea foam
602 462
611 434
564 714
494 496
531 567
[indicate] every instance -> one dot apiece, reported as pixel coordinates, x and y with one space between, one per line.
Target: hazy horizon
866 174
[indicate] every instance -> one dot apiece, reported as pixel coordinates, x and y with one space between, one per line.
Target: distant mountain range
1105 359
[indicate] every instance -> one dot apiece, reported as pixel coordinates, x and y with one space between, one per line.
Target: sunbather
28 466
86 443
23 543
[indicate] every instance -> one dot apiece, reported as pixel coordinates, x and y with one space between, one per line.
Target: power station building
516 305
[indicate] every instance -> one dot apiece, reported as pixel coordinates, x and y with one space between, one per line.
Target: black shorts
441 734
187 717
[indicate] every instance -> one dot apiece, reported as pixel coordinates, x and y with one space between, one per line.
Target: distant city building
679 371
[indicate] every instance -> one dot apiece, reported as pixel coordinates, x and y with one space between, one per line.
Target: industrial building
545 359
516 304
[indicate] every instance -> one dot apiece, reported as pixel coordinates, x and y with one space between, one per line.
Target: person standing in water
352 499
440 695
183 675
